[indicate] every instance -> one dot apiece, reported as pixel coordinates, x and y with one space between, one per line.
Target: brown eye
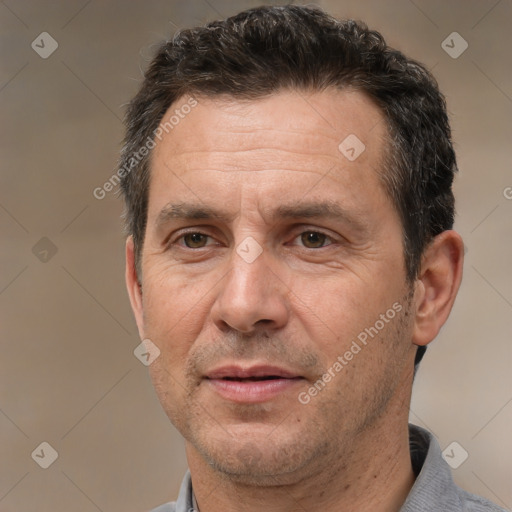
195 240
313 239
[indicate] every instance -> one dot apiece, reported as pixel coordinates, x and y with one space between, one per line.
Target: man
287 179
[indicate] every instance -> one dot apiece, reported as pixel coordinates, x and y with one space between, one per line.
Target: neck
375 474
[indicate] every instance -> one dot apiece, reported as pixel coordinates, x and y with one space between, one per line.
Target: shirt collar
434 489
186 499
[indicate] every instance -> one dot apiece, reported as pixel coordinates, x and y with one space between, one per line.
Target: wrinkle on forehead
285 121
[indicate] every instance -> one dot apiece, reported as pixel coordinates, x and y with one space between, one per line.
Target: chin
260 462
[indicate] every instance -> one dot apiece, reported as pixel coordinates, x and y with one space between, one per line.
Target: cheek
341 307
170 388
175 311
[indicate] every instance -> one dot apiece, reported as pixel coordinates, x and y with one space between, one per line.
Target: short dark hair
267 49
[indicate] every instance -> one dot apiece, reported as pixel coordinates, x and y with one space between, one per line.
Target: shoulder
474 503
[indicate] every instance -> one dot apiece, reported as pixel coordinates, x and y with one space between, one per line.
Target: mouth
252 379
255 384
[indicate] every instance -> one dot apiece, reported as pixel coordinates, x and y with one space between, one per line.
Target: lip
236 384
256 371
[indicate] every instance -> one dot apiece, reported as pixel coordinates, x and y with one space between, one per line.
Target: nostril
264 322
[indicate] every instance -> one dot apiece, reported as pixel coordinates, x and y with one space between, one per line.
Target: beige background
68 375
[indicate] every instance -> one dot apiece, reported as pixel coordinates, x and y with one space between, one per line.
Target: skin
299 305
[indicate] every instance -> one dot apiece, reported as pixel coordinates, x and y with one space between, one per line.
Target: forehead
315 121
288 143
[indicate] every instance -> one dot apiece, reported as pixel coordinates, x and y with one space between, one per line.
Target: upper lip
239 372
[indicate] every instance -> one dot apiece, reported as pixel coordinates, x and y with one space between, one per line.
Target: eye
314 239
195 240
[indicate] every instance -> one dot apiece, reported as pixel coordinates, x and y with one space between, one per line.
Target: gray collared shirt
433 490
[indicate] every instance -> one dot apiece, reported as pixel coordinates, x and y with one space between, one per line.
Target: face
273 281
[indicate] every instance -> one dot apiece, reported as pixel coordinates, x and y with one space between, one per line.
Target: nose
252 297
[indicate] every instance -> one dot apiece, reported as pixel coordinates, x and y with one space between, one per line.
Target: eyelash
181 238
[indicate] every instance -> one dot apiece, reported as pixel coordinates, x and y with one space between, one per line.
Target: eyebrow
309 210
325 210
185 211
295 210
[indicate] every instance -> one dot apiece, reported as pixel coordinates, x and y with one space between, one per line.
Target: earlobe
437 285
133 286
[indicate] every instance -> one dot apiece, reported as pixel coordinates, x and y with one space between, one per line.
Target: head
255 237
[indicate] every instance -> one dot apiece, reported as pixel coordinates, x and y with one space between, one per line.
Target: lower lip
252 391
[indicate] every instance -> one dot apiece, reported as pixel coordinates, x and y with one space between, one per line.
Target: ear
437 285
134 286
